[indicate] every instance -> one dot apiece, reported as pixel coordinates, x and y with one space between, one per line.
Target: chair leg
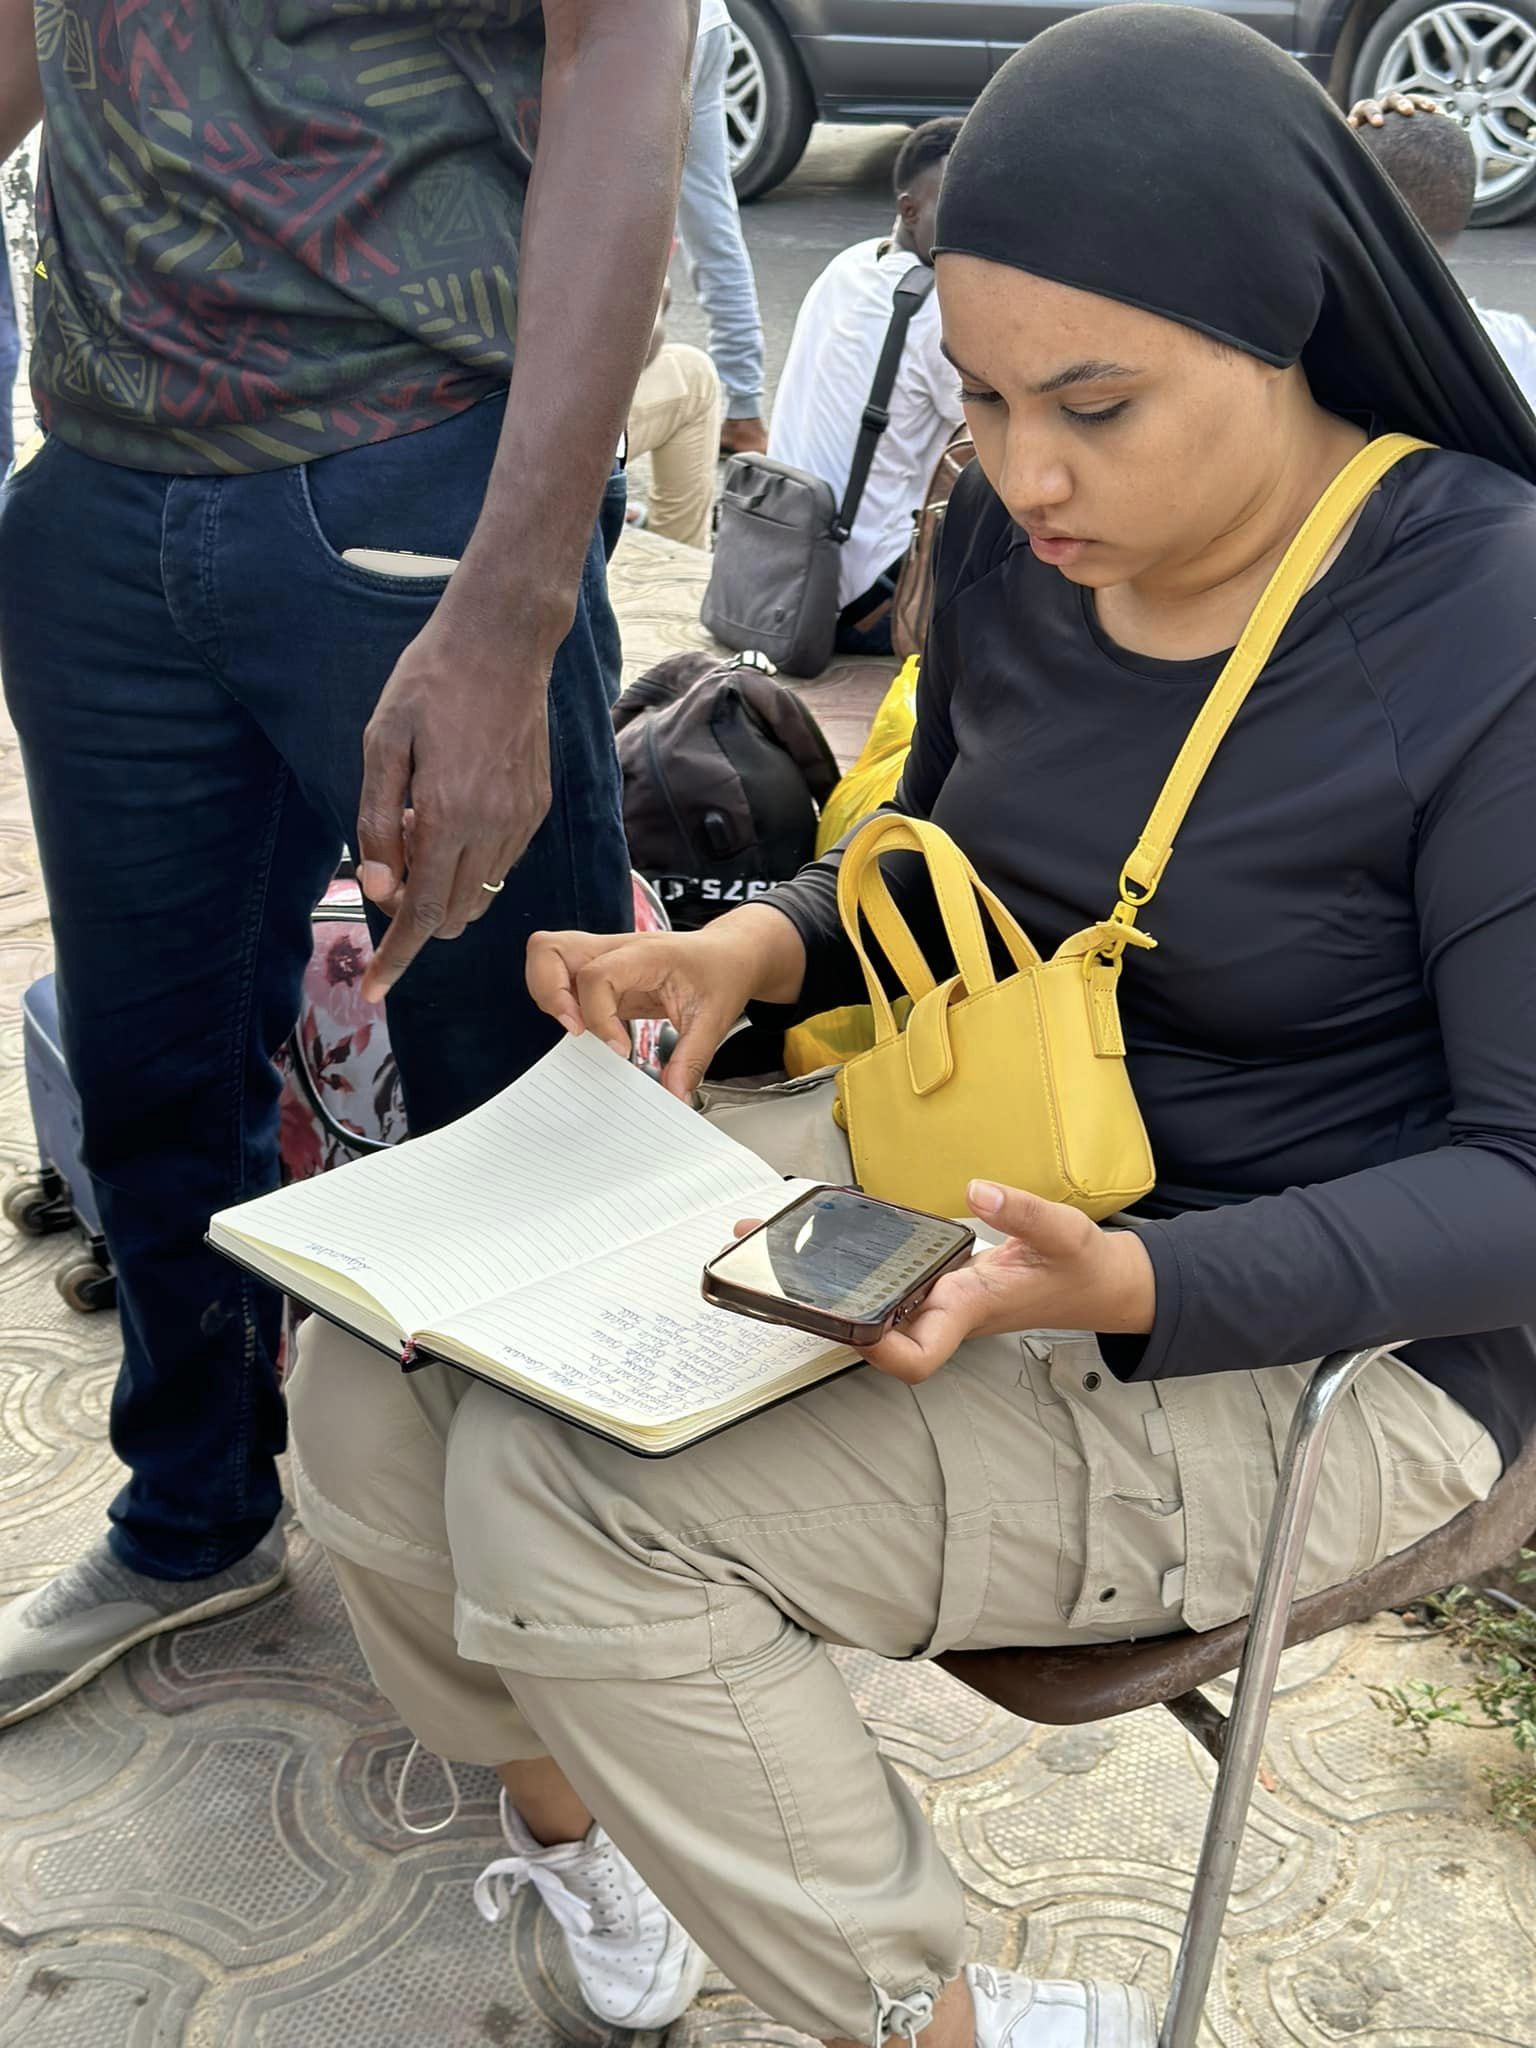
1233 1791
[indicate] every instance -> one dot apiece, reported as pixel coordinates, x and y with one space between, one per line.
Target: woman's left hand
1056 1271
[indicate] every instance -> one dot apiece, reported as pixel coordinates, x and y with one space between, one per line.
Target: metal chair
1062 1687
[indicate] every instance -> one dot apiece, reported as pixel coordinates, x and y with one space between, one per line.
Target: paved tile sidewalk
197 1851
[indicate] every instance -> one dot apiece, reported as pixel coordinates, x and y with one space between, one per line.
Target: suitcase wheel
38 1208
85 1286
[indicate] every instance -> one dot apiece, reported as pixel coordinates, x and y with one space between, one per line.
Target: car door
898 54
1010 25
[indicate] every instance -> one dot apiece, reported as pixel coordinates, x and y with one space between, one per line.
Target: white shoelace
453 1786
500 1882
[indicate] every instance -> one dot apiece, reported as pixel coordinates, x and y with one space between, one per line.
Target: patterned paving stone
424 1967
57 1471
90 1994
222 1839
926 1722
58 1761
297 1646
657 589
1433 1943
1335 1751
367 1785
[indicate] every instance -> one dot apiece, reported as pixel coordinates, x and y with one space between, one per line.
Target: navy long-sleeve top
1334 1044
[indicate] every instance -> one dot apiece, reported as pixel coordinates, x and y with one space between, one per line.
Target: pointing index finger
422 911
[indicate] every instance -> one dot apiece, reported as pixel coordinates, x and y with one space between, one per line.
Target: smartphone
392 562
838 1264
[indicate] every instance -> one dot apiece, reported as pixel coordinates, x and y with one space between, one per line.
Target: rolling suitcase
60 1196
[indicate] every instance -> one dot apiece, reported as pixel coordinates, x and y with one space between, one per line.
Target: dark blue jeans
190 665
10 355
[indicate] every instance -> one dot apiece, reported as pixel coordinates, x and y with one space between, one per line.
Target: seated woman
1168 350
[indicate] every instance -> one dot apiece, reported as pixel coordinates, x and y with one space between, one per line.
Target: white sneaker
636 1966
1021 2012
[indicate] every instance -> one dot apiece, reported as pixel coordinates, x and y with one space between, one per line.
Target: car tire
1384 65
785 110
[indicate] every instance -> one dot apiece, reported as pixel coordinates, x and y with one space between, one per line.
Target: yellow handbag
1024 1080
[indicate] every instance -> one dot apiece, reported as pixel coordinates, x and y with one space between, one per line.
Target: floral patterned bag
341 1087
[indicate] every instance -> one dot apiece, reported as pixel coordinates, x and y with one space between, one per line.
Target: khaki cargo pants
660 1626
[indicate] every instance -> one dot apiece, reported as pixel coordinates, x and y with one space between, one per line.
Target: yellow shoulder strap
1329 516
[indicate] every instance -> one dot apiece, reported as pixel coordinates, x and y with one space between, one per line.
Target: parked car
798 61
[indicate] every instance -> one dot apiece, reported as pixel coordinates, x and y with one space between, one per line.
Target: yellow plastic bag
836 1035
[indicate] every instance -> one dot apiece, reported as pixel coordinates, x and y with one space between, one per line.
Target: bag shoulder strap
909 294
1289 584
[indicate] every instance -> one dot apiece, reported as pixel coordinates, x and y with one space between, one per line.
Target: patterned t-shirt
272 229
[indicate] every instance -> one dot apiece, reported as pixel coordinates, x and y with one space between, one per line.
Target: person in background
10 355
831 363
674 418
709 228
1434 166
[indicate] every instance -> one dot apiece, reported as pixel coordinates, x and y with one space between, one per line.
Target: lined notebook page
581 1155
629 1336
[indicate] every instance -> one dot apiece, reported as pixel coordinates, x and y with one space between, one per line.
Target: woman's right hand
701 982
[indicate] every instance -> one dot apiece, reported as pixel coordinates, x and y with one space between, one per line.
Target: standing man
709 228
308 334
839 333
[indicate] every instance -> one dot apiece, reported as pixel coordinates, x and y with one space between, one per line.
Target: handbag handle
864 897
1338 504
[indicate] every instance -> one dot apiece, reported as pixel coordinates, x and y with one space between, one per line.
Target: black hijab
1175 161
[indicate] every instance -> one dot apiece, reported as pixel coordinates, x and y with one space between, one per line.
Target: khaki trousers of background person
660 1626
675 419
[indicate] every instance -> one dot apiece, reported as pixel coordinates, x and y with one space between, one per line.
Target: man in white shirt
1434 167
831 364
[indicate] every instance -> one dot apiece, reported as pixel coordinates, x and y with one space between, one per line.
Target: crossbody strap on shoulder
911 290
1303 558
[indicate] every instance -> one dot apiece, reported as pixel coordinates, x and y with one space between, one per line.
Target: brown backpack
912 606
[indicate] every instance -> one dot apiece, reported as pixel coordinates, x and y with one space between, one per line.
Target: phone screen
841 1252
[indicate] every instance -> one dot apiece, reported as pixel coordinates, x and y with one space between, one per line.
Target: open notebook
552 1243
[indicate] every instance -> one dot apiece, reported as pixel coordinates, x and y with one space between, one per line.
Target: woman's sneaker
1023 2012
635 1965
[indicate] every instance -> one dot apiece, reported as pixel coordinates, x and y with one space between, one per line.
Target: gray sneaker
54 1639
